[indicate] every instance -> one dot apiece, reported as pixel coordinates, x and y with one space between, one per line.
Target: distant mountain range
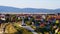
6 9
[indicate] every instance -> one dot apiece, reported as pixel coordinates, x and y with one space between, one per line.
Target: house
2 17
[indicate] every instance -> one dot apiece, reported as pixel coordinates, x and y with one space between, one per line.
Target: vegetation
14 28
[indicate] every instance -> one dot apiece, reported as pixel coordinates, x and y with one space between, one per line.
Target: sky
48 4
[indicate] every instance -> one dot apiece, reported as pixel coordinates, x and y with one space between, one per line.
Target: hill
11 10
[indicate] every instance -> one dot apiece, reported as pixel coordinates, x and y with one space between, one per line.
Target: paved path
29 28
